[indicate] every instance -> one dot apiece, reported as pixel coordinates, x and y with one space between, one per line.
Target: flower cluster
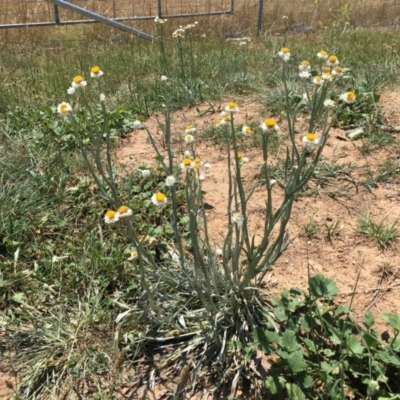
180 32
160 21
112 216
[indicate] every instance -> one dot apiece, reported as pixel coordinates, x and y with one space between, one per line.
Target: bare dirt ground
347 253
342 258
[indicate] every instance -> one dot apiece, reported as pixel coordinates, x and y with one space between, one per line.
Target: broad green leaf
294 391
280 314
274 384
369 320
370 339
320 286
354 345
304 380
342 310
289 342
393 319
296 361
307 322
260 337
310 345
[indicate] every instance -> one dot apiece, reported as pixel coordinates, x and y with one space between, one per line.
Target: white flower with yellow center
247 131
159 20
111 217
270 126
238 219
170 181
322 55
232 107
190 129
220 122
337 71
326 76
96 72
64 108
318 80
332 61
124 212
134 255
311 140
223 114
71 90
284 53
304 66
189 139
78 82
328 103
186 164
348 97
159 199
241 158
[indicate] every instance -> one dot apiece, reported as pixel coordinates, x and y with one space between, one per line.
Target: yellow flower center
325 70
327 75
134 254
239 155
110 214
218 121
123 210
310 137
160 197
332 59
238 218
339 70
318 78
227 118
189 138
285 50
190 127
351 96
95 70
196 166
186 162
232 105
78 79
248 130
197 160
64 108
305 63
270 123
323 53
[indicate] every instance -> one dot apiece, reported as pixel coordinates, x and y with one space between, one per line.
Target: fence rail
30 13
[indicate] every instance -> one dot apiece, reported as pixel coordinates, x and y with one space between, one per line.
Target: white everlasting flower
304 74
220 122
187 154
78 82
247 131
164 78
145 173
219 252
71 90
207 165
159 199
232 107
318 80
270 126
326 76
159 20
238 218
186 164
337 71
348 97
332 61
223 114
284 53
96 72
241 158
189 139
124 211
64 108
272 182
102 97
170 180
328 103
322 55
137 124
190 129
111 217
202 177
311 140
304 66
134 255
